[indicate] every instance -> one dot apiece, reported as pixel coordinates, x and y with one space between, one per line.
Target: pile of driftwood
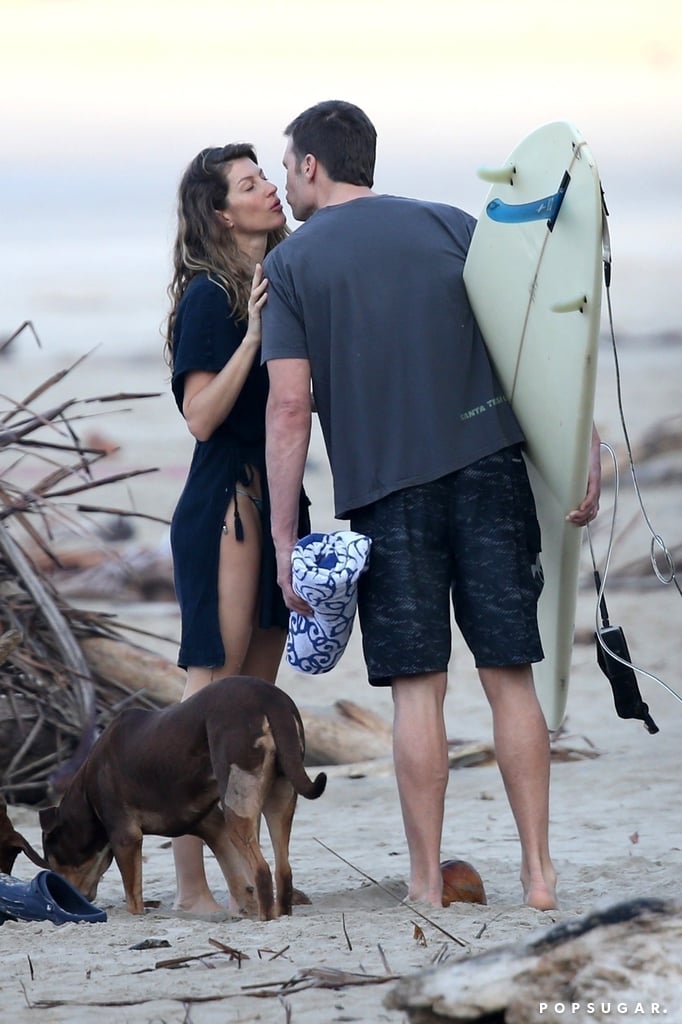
62 671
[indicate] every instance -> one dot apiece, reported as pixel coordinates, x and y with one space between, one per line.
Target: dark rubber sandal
48 897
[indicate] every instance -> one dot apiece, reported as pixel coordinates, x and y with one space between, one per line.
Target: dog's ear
48 817
12 843
11 849
32 854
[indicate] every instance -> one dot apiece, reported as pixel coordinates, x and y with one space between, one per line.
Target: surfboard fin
547 208
498 175
572 306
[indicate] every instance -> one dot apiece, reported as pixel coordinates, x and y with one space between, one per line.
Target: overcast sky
104 104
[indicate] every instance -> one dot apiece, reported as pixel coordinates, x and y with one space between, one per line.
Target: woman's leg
193 894
238 578
254 651
265 653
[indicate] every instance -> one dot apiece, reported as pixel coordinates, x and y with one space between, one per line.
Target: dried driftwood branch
71 652
51 697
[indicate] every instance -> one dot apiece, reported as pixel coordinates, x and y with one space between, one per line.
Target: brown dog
207 767
12 843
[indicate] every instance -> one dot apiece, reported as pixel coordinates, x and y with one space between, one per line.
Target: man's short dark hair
340 136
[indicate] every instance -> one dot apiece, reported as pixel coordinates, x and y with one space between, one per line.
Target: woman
233 616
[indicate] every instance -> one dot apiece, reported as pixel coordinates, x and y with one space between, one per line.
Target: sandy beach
616 822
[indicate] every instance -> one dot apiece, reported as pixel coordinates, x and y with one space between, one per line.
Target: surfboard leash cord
658 545
614 656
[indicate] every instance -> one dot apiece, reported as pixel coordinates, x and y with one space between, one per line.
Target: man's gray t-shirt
371 293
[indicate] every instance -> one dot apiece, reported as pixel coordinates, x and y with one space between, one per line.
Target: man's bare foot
539 885
421 905
432 897
540 895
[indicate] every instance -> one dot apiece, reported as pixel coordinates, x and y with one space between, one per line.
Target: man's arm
589 506
287 437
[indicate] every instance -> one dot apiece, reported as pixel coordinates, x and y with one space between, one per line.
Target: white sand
616 824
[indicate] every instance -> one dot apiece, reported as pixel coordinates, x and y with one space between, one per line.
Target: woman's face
252 204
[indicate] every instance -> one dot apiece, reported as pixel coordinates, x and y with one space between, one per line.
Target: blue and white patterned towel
326 568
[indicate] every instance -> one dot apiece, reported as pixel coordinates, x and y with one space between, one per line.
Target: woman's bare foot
201 904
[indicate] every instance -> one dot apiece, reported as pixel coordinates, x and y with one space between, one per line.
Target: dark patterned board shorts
472 536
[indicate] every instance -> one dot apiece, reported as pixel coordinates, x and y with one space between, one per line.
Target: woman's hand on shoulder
210 397
257 299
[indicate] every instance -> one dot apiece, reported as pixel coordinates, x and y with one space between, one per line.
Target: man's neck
337 192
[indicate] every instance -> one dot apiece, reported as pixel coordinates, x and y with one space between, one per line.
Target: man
366 300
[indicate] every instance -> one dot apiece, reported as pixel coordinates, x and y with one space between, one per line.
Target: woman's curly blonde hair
204 244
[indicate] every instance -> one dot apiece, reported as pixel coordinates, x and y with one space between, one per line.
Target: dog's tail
307 787
287 730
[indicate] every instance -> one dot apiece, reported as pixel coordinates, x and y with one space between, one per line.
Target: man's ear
309 167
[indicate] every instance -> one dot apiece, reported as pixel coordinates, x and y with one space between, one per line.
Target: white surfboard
534 278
